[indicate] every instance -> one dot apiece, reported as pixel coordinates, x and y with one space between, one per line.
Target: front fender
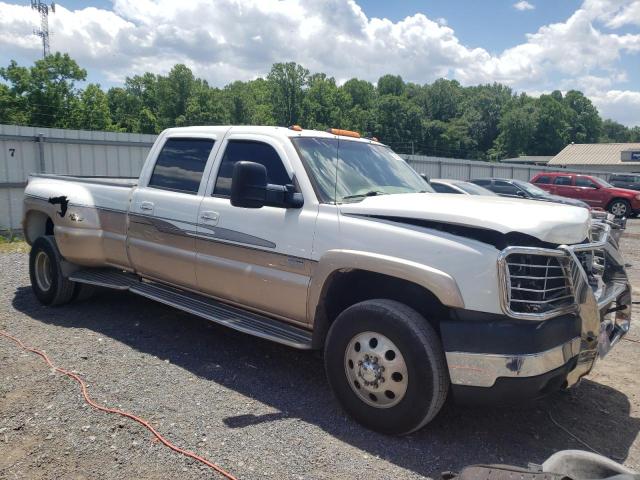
442 285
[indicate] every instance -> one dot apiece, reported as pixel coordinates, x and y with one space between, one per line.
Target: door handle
209 216
147 206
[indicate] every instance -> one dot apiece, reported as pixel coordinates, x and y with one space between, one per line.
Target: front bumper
569 346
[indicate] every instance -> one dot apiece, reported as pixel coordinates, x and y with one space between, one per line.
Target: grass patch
10 243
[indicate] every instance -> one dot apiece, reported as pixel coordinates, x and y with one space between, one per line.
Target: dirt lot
260 410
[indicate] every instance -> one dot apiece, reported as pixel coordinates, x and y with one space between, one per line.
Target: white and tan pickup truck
323 240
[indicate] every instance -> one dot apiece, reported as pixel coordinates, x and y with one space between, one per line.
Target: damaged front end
586 279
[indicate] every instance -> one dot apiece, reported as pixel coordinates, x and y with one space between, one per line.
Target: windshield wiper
371 193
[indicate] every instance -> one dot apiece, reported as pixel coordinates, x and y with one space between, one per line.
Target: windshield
473 189
363 169
532 189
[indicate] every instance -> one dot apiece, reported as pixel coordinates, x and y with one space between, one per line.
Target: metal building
610 157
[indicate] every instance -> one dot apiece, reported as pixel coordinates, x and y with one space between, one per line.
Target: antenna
43 32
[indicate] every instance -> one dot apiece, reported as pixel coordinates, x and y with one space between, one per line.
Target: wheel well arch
37 224
617 198
347 287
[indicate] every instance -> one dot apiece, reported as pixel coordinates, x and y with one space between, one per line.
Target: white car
323 240
445 185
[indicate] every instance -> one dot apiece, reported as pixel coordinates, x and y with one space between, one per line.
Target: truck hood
548 222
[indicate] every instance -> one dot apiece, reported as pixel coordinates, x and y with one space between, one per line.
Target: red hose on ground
141 421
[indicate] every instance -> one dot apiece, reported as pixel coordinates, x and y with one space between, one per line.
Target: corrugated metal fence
25 150
458 169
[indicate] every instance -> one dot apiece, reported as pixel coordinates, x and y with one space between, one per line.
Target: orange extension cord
141 421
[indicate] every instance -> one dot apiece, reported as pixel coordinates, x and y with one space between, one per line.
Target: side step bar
233 317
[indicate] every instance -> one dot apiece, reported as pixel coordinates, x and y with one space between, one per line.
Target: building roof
529 159
595 154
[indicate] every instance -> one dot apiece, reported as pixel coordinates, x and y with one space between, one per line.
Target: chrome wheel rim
43 271
618 209
376 370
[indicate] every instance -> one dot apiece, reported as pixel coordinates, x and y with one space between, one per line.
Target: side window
543 179
442 188
483 182
562 181
245 150
505 188
584 182
180 164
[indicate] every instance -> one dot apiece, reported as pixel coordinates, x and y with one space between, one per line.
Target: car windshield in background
473 189
363 169
531 189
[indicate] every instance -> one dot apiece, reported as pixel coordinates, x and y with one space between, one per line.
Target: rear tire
620 208
49 285
386 366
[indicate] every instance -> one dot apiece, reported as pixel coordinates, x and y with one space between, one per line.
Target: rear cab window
180 164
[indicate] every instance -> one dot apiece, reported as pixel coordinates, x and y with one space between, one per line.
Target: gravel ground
258 409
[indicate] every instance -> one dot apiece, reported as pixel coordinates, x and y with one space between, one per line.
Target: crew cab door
588 191
164 211
256 258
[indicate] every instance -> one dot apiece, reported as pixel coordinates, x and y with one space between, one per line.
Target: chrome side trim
483 369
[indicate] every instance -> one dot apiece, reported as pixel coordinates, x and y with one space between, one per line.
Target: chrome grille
538 284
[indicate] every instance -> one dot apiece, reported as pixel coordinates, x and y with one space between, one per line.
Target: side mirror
249 189
521 194
425 177
249 185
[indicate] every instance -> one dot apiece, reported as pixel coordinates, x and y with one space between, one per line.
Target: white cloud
226 40
523 5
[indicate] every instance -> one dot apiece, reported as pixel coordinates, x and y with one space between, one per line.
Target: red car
593 190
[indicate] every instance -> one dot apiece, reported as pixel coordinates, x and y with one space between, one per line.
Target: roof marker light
296 128
344 133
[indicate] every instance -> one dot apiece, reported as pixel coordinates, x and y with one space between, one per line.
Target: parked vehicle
443 185
323 240
506 187
593 190
629 181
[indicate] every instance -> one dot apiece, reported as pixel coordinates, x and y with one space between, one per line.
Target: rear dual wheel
386 366
49 284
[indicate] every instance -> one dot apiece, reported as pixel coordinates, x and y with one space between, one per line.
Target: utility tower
43 32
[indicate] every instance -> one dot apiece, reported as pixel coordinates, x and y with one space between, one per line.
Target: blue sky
532 45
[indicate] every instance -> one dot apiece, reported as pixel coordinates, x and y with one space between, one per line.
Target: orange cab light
344 133
296 128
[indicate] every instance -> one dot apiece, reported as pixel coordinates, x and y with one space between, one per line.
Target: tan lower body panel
266 281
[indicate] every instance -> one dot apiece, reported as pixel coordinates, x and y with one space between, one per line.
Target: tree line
442 118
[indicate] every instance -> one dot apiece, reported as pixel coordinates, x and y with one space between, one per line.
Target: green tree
287 82
322 104
552 126
47 89
585 125
442 100
390 85
92 109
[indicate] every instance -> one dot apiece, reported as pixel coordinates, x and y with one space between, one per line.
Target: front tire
620 208
386 366
49 285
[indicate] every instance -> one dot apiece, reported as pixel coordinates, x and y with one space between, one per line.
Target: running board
232 317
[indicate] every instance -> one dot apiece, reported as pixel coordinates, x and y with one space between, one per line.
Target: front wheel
49 285
620 208
386 366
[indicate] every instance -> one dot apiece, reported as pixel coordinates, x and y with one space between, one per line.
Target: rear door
256 258
164 211
562 185
588 191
